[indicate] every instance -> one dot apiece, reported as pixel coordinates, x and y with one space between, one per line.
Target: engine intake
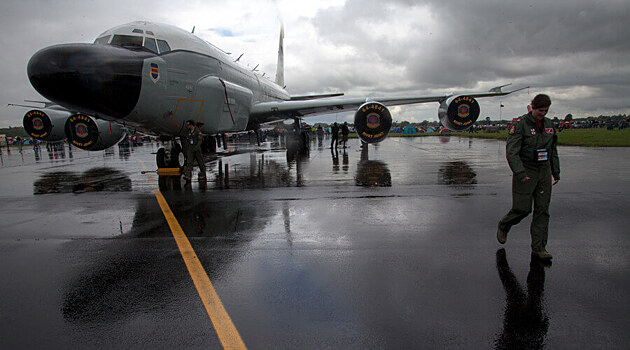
45 125
458 113
92 134
372 121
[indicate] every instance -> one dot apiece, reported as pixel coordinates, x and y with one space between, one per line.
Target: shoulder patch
512 129
549 130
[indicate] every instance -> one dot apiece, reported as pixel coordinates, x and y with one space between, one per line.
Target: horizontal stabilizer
47 104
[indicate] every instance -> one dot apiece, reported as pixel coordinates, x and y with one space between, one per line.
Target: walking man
533 158
344 133
334 131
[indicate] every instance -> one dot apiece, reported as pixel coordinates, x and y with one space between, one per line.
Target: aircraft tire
178 159
160 158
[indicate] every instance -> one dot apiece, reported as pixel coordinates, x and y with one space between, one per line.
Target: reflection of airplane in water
371 173
124 279
269 170
457 173
262 171
152 77
93 180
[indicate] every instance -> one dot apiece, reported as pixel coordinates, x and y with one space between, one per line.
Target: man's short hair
190 121
541 101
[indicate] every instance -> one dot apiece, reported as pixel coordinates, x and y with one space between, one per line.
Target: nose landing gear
170 156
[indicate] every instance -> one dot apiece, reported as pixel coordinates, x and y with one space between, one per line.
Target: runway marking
223 325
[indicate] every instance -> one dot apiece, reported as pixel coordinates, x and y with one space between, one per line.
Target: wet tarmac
393 247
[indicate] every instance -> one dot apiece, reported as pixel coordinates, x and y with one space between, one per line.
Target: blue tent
410 130
430 130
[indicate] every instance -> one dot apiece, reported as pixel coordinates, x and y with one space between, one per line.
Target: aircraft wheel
178 158
160 158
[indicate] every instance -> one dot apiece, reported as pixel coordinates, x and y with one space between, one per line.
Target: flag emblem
155 72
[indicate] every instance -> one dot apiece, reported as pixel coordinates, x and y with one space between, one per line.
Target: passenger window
149 43
163 45
126 40
102 40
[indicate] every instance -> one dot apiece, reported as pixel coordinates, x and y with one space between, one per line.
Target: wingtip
498 88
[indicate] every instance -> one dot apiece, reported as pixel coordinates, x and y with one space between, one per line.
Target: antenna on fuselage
253 70
239 57
193 31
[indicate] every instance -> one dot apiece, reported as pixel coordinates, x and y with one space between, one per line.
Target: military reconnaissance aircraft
153 77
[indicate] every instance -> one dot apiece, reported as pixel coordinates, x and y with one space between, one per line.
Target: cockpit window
163 45
150 32
102 40
149 43
138 31
126 40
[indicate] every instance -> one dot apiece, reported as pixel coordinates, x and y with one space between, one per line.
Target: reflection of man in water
335 159
525 324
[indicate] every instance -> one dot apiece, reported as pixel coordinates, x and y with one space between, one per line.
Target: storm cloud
576 51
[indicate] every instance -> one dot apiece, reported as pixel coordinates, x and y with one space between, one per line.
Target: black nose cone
97 79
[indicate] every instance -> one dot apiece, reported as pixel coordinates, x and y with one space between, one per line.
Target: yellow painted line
223 325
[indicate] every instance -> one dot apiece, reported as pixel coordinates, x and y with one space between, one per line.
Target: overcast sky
577 51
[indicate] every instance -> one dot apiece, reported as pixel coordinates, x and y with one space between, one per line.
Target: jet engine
46 124
92 134
458 112
372 121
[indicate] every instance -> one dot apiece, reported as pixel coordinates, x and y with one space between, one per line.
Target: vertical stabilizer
280 67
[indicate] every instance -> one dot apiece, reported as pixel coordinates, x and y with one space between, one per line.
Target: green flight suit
531 151
193 153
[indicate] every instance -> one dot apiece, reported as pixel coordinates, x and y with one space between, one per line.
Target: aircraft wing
265 112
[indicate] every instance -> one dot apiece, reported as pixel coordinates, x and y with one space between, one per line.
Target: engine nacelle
45 124
458 112
92 134
372 122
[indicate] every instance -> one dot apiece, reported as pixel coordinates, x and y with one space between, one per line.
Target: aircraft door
226 106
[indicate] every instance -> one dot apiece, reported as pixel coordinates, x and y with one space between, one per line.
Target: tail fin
280 68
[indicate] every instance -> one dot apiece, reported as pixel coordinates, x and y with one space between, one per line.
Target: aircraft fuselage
153 77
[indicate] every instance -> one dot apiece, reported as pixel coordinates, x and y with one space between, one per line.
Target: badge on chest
542 154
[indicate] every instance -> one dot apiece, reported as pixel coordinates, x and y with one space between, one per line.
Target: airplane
153 77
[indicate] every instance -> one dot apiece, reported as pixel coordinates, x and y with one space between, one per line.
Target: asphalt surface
386 249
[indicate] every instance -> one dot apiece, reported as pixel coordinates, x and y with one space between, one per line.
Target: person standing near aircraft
320 135
344 133
193 152
533 158
334 131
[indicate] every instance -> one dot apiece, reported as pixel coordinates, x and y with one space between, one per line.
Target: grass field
599 137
